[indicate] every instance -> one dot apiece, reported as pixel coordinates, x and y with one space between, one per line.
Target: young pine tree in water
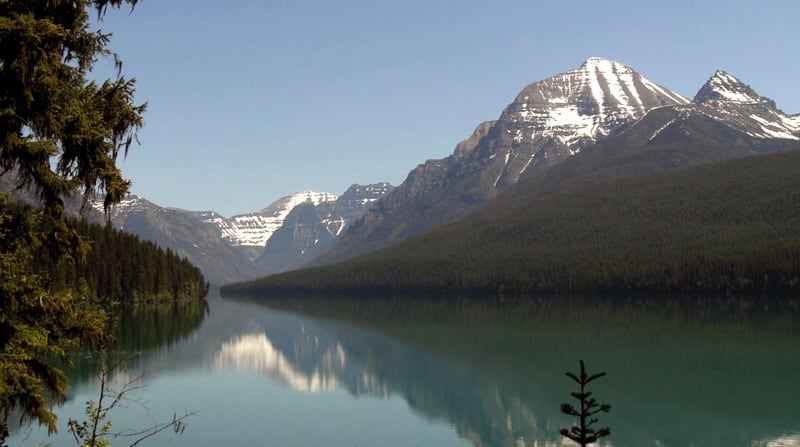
584 433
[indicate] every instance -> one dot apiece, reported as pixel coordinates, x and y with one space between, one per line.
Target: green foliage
719 228
50 308
121 268
36 324
584 433
96 429
93 431
60 134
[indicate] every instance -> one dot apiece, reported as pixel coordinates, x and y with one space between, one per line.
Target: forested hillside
122 268
729 226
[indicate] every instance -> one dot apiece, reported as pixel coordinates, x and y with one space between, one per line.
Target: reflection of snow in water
788 440
255 353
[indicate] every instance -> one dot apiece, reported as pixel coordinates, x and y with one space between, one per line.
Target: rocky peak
735 103
250 232
365 193
285 204
578 106
309 230
723 87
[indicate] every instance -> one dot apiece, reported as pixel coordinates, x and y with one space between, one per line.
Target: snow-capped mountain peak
255 229
730 100
725 87
131 203
559 116
578 106
287 203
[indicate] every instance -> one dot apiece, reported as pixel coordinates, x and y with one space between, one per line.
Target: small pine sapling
584 434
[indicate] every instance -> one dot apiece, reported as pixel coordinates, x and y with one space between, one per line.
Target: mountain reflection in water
694 371
491 374
255 353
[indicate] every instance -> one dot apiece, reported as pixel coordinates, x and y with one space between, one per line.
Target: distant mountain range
578 140
249 233
597 123
242 247
283 235
602 104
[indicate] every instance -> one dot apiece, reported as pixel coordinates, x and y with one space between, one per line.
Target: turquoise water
702 372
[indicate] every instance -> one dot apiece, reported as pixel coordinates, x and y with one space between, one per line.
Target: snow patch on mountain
578 106
351 205
130 203
727 98
661 129
725 87
255 229
559 116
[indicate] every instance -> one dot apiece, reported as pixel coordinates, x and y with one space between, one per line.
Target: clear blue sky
254 99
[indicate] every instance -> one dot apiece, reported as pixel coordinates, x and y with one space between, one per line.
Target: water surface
399 372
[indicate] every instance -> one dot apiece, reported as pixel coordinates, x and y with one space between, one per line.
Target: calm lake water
697 372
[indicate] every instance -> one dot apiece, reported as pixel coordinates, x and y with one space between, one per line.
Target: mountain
726 120
585 221
729 100
309 231
171 228
628 124
549 121
228 250
249 233
186 235
591 125
722 227
302 237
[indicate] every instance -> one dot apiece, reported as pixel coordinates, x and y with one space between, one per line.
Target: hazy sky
253 100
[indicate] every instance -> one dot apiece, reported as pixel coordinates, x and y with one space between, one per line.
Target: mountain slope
666 139
181 231
728 99
249 233
548 122
603 108
302 237
227 249
309 231
722 226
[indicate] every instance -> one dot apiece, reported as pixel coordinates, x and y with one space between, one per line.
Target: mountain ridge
599 121
249 232
719 227
547 122
210 241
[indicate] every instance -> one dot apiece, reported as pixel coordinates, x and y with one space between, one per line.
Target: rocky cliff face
186 235
248 233
310 230
729 100
547 122
298 227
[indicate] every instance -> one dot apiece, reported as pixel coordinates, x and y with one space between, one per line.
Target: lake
455 372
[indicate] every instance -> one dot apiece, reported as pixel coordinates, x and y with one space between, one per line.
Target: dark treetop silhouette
584 434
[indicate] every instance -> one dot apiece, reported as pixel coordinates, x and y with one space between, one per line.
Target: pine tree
584 433
60 134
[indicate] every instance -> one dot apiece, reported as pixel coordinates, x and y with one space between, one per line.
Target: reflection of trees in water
721 371
144 327
148 326
707 372
480 407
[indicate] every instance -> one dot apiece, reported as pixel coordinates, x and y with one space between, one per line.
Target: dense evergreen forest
724 227
124 269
